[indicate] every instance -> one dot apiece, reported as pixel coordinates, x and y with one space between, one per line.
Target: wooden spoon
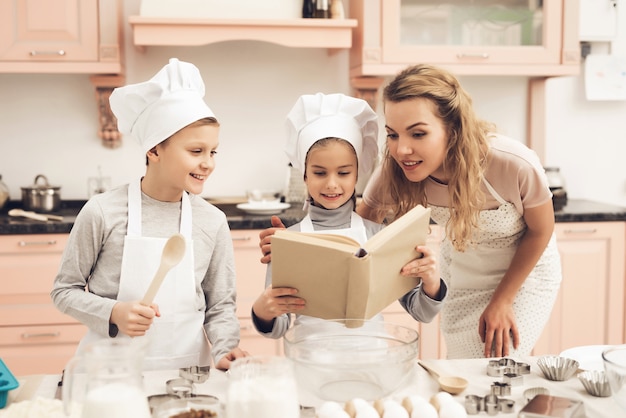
451 384
173 252
33 215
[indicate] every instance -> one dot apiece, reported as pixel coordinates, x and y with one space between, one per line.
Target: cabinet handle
246 238
40 335
580 231
28 243
479 55
60 52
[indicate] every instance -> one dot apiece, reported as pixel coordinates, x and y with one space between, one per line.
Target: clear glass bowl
614 359
339 360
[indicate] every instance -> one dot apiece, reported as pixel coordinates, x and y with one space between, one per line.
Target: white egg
360 408
331 410
440 398
452 410
419 407
393 409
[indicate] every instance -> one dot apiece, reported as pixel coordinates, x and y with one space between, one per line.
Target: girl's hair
321 143
466 153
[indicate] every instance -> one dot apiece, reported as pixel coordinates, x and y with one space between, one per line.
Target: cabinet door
250 284
456 32
590 307
49 30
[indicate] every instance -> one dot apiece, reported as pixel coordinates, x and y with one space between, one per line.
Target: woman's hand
274 302
426 268
265 237
133 318
497 327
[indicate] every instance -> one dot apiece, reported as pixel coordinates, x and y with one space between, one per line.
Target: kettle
106 381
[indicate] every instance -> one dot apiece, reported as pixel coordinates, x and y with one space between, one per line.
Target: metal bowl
557 368
615 366
339 360
595 382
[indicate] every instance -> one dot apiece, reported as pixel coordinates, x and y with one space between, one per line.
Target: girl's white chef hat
154 110
318 116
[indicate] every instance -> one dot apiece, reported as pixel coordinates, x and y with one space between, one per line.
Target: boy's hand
133 318
265 237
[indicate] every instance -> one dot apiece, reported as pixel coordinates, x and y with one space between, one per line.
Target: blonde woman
489 192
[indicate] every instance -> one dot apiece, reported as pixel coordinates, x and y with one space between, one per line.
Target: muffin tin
7 382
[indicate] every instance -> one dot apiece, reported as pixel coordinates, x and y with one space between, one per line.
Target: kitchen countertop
418 383
575 210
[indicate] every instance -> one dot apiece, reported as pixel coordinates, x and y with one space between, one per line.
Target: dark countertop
575 210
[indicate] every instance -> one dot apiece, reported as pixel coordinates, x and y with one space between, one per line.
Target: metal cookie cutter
513 379
491 404
500 389
195 374
498 368
180 387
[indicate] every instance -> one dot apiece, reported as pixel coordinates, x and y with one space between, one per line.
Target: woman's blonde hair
466 152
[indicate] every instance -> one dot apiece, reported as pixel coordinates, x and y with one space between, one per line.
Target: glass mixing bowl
339 360
614 359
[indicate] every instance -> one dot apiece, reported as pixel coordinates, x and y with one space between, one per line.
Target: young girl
491 195
117 239
332 140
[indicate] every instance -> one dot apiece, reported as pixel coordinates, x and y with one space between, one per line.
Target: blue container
7 382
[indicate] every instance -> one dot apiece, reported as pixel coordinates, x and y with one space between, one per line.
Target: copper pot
41 197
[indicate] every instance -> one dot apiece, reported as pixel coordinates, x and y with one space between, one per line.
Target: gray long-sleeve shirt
93 256
417 303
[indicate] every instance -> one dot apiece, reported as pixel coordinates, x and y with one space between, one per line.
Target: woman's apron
473 275
175 339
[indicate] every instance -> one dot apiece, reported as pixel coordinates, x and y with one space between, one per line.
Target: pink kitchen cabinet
516 37
35 337
250 284
590 307
60 36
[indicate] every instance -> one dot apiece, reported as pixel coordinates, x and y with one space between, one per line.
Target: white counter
421 383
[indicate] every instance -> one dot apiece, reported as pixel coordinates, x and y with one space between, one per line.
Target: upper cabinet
202 22
482 37
60 36
301 33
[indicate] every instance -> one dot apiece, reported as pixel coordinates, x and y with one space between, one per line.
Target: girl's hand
133 318
425 268
265 238
275 302
497 327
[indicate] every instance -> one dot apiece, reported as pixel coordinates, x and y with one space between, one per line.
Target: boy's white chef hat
154 110
318 116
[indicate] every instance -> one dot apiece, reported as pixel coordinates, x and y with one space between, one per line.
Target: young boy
115 245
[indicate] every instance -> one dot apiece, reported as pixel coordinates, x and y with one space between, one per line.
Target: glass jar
4 193
555 179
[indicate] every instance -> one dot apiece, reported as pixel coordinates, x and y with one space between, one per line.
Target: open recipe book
341 279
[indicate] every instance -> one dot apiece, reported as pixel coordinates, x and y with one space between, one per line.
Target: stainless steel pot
41 197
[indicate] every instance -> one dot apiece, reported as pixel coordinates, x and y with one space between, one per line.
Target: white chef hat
154 110
318 116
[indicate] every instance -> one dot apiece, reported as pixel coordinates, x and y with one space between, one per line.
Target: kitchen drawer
41 335
32 243
37 359
31 310
256 344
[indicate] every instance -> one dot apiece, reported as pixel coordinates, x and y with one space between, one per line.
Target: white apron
176 338
356 231
473 275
